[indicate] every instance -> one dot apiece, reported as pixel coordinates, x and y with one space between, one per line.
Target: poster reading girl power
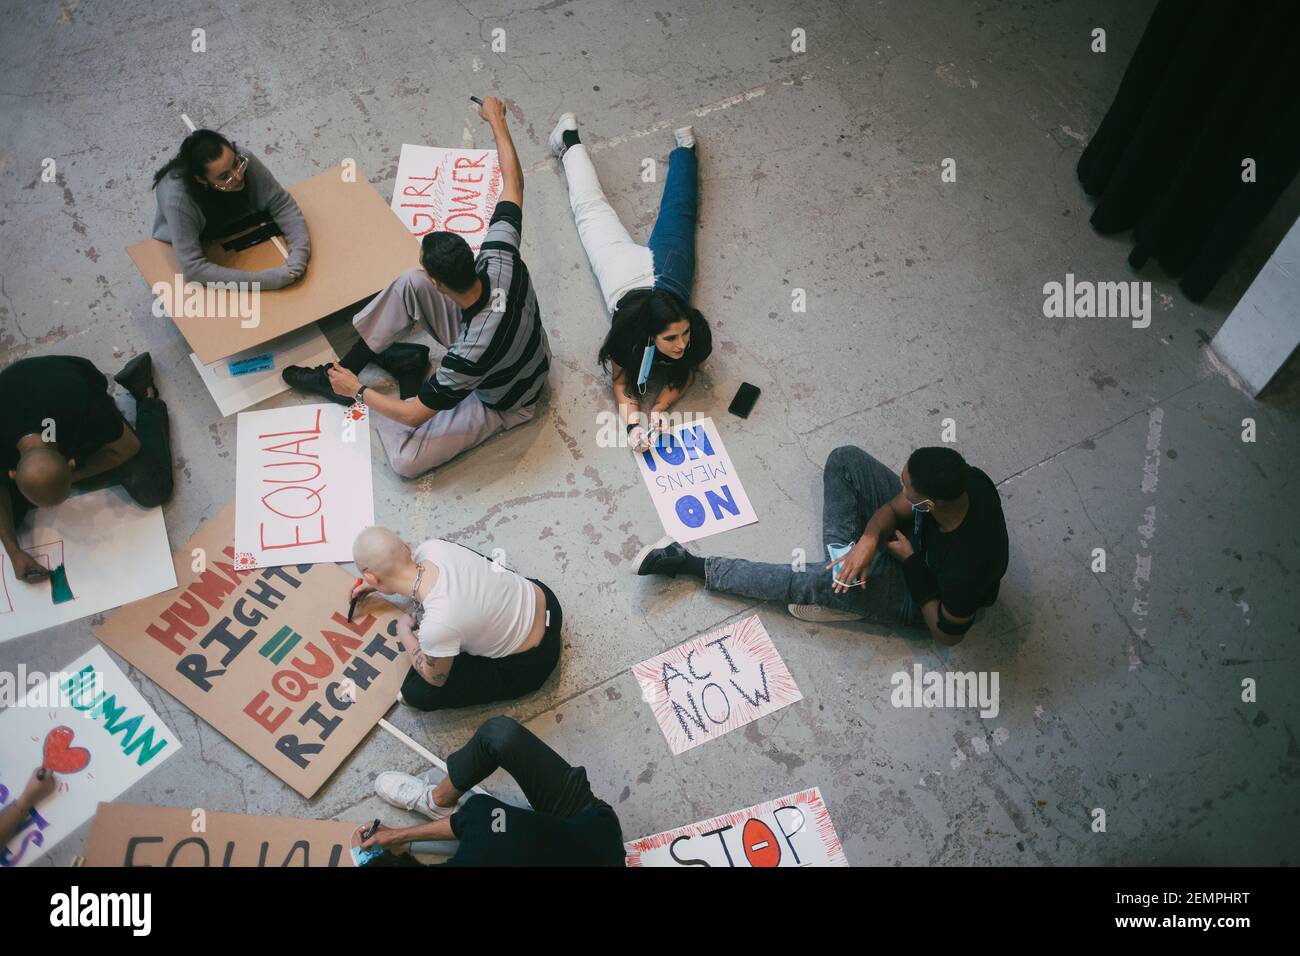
693 483
93 730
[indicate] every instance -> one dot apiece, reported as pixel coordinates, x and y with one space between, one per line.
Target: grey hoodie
180 221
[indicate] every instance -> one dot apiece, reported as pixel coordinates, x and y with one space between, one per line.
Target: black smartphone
744 401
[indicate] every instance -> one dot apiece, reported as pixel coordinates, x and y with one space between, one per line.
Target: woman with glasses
211 189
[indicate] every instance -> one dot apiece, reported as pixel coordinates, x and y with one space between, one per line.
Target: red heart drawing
60 756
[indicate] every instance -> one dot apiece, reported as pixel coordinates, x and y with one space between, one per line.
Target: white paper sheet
112 550
447 190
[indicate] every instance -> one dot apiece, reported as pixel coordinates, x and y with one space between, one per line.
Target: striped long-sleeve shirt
502 353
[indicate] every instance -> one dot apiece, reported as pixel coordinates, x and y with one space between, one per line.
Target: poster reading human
303 488
447 190
795 830
715 683
94 731
693 483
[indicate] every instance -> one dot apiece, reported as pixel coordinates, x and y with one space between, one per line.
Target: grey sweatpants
408 299
854 487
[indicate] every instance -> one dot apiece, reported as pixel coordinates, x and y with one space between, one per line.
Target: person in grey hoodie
209 190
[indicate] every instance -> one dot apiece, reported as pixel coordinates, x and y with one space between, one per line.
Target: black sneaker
665 557
408 363
314 380
137 376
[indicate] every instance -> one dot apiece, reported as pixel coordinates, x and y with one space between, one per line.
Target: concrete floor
820 171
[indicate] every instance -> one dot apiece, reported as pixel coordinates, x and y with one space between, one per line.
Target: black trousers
481 680
549 782
147 477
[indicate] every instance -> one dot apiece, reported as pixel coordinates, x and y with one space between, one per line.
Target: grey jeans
854 486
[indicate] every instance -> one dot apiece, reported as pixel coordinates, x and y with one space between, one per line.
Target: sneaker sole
823 616
644 552
556 140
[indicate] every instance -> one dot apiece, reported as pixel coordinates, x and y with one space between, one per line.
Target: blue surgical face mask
917 507
647 359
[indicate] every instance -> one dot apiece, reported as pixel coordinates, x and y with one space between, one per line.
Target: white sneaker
410 793
685 136
816 614
556 140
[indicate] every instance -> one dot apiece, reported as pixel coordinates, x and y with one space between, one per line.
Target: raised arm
512 174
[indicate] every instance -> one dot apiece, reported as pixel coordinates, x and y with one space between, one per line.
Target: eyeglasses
235 175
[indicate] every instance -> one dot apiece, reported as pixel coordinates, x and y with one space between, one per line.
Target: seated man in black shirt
60 427
567 825
938 573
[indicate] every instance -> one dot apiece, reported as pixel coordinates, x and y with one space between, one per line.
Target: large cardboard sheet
112 550
715 683
790 831
253 375
125 834
303 488
357 247
98 739
447 190
267 657
693 483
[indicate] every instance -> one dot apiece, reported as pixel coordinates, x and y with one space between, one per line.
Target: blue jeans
854 486
673 240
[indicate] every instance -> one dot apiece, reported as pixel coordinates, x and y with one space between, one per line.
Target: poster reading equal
267 656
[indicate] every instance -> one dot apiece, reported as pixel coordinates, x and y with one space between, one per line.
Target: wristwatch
357 397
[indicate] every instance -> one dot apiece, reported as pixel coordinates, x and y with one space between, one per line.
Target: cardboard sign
100 740
235 386
267 657
357 247
112 551
715 683
693 484
447 190
303 487
126 834
792 831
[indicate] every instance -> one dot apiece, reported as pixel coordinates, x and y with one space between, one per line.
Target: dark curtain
1212 82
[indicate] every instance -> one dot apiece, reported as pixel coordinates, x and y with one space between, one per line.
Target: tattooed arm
434 670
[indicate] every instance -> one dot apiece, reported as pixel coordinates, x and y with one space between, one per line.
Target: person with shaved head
59 427
477 632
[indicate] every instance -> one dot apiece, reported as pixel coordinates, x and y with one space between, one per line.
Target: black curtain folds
1212 82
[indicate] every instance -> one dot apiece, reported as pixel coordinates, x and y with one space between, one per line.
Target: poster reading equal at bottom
791 831
125 834
267 656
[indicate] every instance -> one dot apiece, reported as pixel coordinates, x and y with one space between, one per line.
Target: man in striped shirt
483 310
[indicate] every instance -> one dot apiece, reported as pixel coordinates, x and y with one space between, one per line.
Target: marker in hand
477 100
352 606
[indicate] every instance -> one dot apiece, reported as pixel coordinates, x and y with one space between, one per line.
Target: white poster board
790 831
447 190
253 375
113 551
100 739
693 484
715 683
303 488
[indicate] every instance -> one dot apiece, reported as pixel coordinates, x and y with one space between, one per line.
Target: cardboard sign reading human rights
693 484
447 190
303 487
792 831
97 734
267 656
715 683
357 248
126 834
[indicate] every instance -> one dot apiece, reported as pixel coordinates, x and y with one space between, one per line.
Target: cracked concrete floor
820 171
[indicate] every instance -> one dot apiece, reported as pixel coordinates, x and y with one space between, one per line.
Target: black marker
477 100
353 605
369 831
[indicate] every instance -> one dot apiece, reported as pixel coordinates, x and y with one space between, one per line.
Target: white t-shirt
475 605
